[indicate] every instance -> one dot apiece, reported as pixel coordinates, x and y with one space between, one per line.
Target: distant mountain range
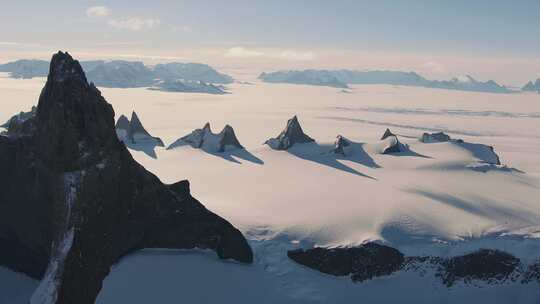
132 74
343 78
532 87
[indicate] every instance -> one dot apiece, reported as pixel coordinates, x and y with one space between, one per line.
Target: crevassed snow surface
438 198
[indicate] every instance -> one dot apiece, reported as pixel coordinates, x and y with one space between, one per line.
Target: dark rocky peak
387 133
122 123
72 117
391 143
227 137
136 125
292 134
207 140
91 203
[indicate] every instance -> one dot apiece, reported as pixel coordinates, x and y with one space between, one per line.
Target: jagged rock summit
208 141
292 134
91 203
391 143
133 132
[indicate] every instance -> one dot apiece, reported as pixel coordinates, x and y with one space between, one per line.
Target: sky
440 39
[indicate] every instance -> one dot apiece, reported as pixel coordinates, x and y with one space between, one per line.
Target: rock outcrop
133 132
361 263
17 120
292 134
78 201
434 137
373 260
208 141
391 143
341 145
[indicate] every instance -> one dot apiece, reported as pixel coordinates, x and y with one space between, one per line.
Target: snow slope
431 200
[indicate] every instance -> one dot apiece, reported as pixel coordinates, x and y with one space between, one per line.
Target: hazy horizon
438 39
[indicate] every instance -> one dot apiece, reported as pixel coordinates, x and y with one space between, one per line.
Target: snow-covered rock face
434 137
342 146
15 123
390 143
207 140
292 134
133 132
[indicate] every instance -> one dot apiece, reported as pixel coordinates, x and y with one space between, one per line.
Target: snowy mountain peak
133 132
208 141
291 135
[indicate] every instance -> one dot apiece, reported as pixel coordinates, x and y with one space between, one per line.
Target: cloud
134 24
297 56
97 11
433 66
241 52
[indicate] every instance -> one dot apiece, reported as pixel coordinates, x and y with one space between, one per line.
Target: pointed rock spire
91 202
292 134
133 132
387 133
391 143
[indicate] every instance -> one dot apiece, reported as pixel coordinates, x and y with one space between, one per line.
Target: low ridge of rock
435 137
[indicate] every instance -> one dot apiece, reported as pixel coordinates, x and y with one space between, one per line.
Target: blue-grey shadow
322 155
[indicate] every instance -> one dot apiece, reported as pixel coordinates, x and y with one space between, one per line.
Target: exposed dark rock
391 143
362 263
78 201
340 145
372 260
211 142
532 274
434 137
292 134
387 134
484 264
132 132
16 122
